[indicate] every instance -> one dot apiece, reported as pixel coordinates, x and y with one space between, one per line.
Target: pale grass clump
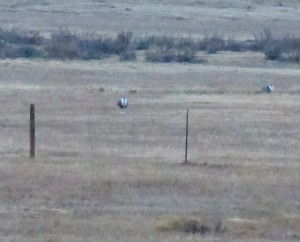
246 227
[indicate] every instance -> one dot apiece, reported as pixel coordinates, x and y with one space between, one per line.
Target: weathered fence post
186 136
32 131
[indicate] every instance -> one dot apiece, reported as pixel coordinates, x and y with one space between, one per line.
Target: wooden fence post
186 136
32 131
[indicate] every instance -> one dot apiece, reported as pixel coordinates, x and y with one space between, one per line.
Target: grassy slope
104 172
111 175
235 19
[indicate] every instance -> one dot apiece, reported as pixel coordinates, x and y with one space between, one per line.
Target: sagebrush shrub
66 45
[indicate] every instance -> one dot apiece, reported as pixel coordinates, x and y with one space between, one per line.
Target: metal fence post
32 131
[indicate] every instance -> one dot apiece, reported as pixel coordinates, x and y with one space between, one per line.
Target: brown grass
181 18
105 174
181 224
246 228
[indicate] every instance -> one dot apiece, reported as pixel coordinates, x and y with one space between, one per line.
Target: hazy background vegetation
66 45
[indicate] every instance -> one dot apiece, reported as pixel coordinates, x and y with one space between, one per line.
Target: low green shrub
127 55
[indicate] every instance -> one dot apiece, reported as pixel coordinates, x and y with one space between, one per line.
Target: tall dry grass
116 175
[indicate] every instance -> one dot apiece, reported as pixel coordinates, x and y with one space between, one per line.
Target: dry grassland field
106 174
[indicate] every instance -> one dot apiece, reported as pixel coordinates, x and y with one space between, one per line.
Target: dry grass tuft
233 226
183 224
245 227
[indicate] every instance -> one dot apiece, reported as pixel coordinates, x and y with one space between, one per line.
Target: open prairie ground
238 19
105 174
